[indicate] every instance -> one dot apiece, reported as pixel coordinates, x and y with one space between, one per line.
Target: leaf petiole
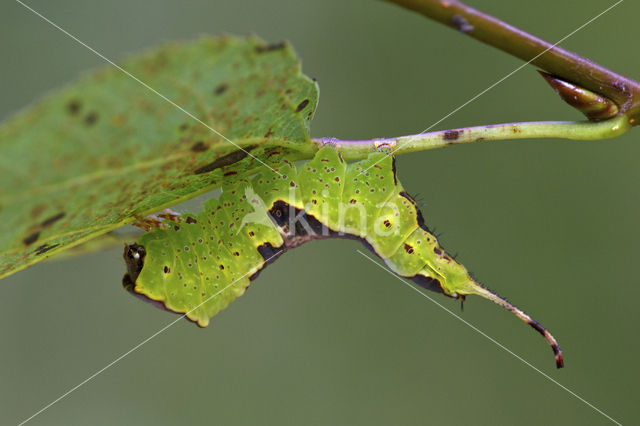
574 130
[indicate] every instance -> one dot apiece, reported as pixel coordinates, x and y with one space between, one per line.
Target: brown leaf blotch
32 238
74 106
221 89
37 210
226 160
53 219
45 248
302 105
271 47
91 118
199 147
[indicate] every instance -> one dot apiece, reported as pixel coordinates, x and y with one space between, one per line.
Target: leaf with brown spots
104 150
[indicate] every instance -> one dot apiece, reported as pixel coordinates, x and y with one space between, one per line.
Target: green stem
575 130
571 67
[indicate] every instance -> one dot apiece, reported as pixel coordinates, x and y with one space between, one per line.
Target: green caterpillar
198 264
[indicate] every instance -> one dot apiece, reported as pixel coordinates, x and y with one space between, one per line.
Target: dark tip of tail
552 342
488 294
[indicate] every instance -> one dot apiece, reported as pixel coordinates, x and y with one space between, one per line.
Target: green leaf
106 149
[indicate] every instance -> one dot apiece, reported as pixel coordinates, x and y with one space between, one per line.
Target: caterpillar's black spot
176 228
91 118
437 251
298 226
387 223
32 238
408 249
221 89
191 220
53 219
226 160
166 270
45 248
452 135
267 251
74 106
302 105
199 147
271 47
428 283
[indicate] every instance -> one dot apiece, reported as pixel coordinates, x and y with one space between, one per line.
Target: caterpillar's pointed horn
486 293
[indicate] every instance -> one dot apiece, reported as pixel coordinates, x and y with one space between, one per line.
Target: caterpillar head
134 256
134 259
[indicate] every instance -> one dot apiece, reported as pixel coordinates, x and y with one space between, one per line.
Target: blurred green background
324 336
